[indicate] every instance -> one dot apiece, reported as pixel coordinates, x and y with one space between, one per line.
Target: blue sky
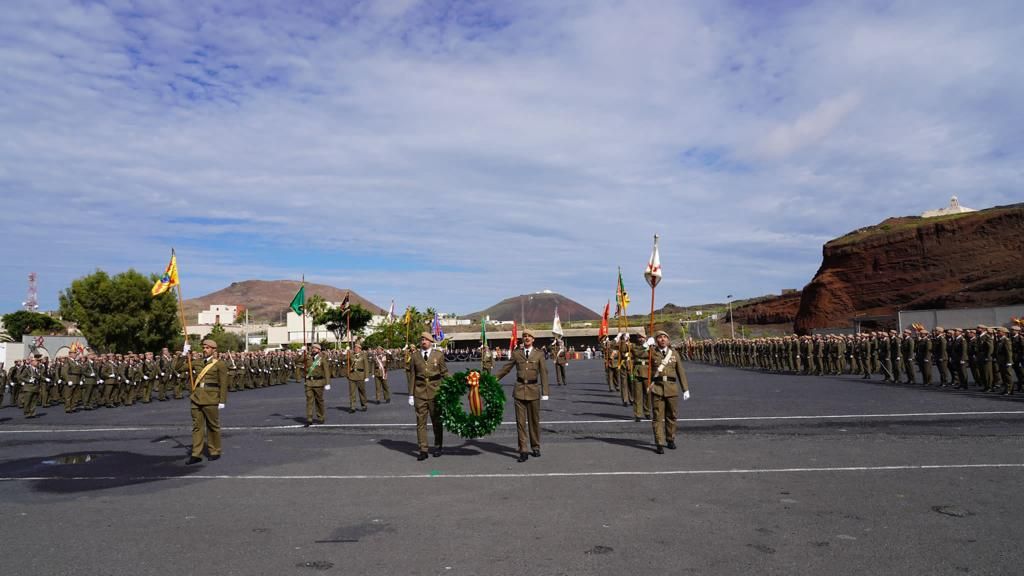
452 154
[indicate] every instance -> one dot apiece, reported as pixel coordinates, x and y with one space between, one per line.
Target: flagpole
650 332
184 327
305 352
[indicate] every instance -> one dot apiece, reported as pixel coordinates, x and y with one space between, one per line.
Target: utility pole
732 332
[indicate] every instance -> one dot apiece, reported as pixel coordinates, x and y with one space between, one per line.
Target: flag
515 337
483 330
298 304
653 271
603 330
621 297
169 279
556 324
408 316
345 304
435 328
391 312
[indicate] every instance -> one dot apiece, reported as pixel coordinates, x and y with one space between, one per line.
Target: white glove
649 342
367 380
220 406
328 387
686 395
412 401
99 381
186 348
161 373
145 377
543 397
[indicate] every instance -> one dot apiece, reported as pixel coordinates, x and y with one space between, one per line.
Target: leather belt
425 379
665 378
526 381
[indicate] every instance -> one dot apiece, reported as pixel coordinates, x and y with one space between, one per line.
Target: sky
454 153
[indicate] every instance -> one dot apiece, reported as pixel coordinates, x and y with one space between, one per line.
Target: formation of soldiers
88 381
991 358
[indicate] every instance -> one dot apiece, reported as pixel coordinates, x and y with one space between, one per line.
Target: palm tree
315 307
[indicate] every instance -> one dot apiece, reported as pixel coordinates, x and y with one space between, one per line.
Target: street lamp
732 332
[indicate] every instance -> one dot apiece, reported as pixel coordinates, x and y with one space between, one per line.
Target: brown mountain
268 300
539 307
777 309
956 261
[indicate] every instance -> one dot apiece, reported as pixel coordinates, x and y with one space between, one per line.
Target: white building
953 208
219 314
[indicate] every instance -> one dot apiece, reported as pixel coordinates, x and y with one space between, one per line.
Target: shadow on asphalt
646 446
76 472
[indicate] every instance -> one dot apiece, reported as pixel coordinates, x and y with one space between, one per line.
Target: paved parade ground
774 474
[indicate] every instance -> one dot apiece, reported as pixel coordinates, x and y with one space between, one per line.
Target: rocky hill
779 309
957 261
268 300
538 307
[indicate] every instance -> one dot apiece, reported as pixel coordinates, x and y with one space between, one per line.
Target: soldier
530 389
428 369
90 375
611 371
639 397
486 359
895 358
923 356
208 397
958 359
560 357
150 376
1004 358
1017 347
940 355
4 383
358 375
14 385
667 377
984 358
907 351
380 376
318 379
30 385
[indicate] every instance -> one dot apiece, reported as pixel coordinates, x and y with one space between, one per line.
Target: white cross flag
653 272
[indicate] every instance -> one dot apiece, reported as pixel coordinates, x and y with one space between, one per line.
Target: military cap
1003 330
37 355
661 333
940 329
428 336
210 343
982 327
529 333
1015 328
315 346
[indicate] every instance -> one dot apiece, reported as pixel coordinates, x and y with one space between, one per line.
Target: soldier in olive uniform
358 375
667 377
428 370
531 387
208 397
940 355
1017 345
983 358
30 385
486 359
560 357
1004 358
958 359
318 379
380 376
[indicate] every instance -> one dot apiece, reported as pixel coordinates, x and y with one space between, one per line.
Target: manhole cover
72 459
316 565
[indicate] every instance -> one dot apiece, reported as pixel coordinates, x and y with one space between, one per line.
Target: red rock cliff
962 261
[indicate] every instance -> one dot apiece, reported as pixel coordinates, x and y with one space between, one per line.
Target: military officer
208 397
358 375
667 377
531 387
428 369
318 379
560 357
486 359
380 376
30 385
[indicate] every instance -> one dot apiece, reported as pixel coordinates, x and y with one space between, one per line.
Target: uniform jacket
427 373
359 366
318 374
668 380
213 388
531 374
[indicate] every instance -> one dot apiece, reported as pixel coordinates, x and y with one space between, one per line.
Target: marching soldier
667 377
208 397
30 385
610 354
428 368
90 375
318 379
150 376
358 375
380 376
560 357
530 389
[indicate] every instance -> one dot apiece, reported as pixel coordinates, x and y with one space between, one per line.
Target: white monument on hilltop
953 208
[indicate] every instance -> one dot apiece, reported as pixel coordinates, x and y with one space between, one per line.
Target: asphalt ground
775 474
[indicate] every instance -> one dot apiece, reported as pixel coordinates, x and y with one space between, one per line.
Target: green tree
336 320
226 341
118 314
397 333
315 307
22 322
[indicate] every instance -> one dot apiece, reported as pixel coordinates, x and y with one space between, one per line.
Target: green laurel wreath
456 420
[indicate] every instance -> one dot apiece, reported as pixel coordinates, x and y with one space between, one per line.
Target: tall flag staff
653 275
603 330
483 338
165 283
298 305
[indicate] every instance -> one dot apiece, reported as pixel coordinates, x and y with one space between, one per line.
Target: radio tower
32 303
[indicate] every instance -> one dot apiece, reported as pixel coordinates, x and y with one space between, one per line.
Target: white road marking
543 423
899 468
